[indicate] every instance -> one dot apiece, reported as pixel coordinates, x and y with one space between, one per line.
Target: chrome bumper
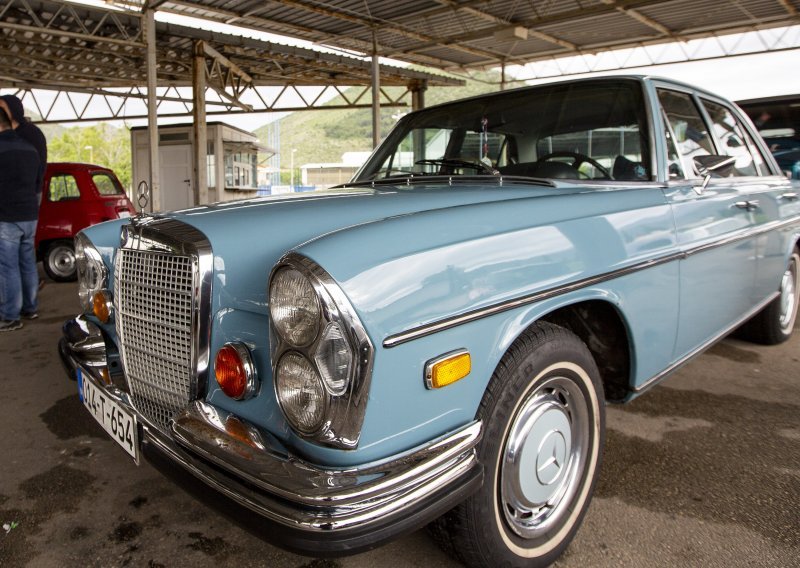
325 511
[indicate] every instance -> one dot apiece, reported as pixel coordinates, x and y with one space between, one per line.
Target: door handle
747 205
790 196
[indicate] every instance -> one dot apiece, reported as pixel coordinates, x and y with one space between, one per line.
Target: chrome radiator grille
154 306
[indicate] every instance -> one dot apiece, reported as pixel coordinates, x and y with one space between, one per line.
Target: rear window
106 184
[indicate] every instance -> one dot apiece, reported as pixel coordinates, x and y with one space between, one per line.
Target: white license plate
116 420
124 214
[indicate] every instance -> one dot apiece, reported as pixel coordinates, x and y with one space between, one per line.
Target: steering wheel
578 159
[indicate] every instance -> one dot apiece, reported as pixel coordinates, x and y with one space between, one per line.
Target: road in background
701 471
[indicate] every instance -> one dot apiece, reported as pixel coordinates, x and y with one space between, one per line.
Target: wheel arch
600 323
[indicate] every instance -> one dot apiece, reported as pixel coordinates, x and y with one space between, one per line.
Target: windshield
591 130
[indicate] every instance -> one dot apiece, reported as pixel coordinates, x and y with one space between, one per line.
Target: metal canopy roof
463 34
53 44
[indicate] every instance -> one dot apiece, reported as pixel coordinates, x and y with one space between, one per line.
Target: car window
63 187
587 131
674 167
686 124
106 184
734 140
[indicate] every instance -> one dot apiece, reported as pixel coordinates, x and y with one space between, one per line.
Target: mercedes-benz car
435 341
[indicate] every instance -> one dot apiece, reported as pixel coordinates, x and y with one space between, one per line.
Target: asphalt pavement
703 470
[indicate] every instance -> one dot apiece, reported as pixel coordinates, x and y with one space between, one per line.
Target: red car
74 196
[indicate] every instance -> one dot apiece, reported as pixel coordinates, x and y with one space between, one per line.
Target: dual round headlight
294 307
315 358
300 393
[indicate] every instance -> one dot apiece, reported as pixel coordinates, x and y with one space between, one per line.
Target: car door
713 220
771 197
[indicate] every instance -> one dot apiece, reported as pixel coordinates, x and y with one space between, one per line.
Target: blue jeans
19 278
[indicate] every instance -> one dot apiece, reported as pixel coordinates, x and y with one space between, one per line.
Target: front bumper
314 509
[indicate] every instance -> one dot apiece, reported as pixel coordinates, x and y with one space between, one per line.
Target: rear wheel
59 261
774 324
544 426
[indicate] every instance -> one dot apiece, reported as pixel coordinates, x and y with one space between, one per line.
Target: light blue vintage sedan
437 339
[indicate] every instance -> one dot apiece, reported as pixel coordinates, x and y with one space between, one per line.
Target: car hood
248 237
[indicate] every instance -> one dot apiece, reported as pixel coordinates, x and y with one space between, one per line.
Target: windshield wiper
456 163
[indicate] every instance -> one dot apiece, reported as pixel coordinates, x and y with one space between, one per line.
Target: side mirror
717 166
712 165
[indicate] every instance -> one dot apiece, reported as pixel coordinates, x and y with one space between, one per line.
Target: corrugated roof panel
610 28
684 15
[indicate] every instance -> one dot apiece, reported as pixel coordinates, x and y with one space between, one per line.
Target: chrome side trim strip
473 315
685 359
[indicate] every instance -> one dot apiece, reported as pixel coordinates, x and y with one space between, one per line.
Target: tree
101 144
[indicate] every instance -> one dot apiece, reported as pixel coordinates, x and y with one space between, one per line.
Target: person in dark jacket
27 131
19 212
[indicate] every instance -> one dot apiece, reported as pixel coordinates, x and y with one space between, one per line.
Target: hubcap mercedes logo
551 458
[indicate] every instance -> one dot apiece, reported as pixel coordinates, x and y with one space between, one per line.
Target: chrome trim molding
473 315
86 345
256 456
173 237
685 359
345 412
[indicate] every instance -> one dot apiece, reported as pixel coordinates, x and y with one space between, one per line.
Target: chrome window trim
345 413
170 236
473 315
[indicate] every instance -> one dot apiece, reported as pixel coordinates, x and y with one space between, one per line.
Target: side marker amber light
447 369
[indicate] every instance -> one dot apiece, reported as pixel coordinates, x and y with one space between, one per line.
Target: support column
418 95
503 76
376 93
152 111
200 128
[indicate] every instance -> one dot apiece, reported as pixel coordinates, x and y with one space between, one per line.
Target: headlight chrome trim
341 427
87 257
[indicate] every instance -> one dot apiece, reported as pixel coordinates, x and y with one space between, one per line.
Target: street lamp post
291 167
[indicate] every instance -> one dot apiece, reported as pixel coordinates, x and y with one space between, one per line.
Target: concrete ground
701 471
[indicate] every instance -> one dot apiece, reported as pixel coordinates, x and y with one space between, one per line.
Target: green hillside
324 135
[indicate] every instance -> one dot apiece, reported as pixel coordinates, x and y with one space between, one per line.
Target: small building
232 162
322 175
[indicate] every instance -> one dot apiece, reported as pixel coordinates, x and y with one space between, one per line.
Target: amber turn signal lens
231 371
447 369
101 305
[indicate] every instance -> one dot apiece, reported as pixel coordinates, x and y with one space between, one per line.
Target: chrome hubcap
543 457
62 261
789 292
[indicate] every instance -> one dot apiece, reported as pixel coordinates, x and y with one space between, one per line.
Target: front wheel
59 261
544 426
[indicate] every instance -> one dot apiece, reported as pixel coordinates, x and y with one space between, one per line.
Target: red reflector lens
230 373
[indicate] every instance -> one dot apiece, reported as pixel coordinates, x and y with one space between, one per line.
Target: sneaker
30 315
10 325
